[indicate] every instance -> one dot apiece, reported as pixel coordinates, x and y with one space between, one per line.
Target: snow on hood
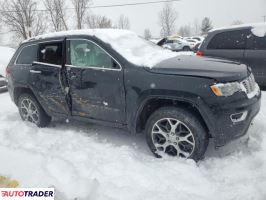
128 44
6 54
258 29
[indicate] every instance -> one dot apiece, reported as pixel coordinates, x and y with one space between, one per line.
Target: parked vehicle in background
174 44
198 38
245 44
179 102
196 48
6 54
155 40
192 43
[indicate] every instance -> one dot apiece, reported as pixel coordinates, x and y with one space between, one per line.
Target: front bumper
226 128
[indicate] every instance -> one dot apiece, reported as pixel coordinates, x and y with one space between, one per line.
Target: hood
218 69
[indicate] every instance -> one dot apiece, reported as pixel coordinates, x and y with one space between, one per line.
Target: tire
176 132
186 48
31 110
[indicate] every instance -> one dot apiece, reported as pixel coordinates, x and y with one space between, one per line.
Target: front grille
249 84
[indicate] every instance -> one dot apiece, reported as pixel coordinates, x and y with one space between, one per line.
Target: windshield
134 48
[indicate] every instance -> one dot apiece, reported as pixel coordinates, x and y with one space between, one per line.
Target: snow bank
6 54
91 162
132 47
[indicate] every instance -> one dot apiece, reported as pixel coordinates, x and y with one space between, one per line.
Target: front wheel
176 132
30 110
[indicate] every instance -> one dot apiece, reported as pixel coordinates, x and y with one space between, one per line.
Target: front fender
178 97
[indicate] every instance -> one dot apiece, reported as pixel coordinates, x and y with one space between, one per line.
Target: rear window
229 40
27 55
258 43
51 53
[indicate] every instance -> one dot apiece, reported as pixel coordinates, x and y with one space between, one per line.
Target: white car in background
195 42
192 43
174 44
6 54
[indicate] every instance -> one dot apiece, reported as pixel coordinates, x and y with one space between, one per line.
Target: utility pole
264 18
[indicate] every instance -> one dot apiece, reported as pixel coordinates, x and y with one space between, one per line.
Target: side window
28 55
229 40
51 53
169 41
258 43
83 53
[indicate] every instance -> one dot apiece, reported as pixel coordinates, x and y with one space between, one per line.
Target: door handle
35 72
73 76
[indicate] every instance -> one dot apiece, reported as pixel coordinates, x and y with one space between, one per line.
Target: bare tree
237 22
24 20
81 7
56 10
185 31
147 34
98 21
167 20
196 27
206 25
123 22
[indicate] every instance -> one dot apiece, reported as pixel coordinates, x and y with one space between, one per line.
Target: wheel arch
21 90
151 104
26 90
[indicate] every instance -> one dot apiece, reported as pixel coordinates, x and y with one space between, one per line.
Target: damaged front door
48 77
96 82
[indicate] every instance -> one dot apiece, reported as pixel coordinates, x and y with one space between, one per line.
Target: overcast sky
221 12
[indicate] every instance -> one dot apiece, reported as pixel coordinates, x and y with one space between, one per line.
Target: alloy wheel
29 111
173 137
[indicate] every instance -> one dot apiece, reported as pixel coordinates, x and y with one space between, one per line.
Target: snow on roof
128 44
258 29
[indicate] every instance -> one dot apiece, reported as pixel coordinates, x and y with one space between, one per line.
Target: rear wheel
30 110
176 132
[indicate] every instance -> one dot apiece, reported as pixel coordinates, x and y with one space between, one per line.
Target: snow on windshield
135 49
128 44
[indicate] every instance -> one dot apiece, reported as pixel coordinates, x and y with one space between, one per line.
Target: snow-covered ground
91 162
5 56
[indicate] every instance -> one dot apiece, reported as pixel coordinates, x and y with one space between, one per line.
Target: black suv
239 43
179 102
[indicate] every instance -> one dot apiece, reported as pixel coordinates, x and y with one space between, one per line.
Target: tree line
26 19
168 24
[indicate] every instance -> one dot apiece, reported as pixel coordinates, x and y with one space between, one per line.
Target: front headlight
226 89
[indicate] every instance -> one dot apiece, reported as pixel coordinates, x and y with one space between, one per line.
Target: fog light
239 117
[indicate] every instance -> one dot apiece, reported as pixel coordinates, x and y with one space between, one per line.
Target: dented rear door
47 77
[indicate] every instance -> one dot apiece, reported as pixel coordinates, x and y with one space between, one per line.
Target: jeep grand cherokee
113 77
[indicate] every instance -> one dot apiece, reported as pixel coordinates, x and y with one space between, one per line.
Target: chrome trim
242 118
47 64
49 41
91 67
96 68
35 72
